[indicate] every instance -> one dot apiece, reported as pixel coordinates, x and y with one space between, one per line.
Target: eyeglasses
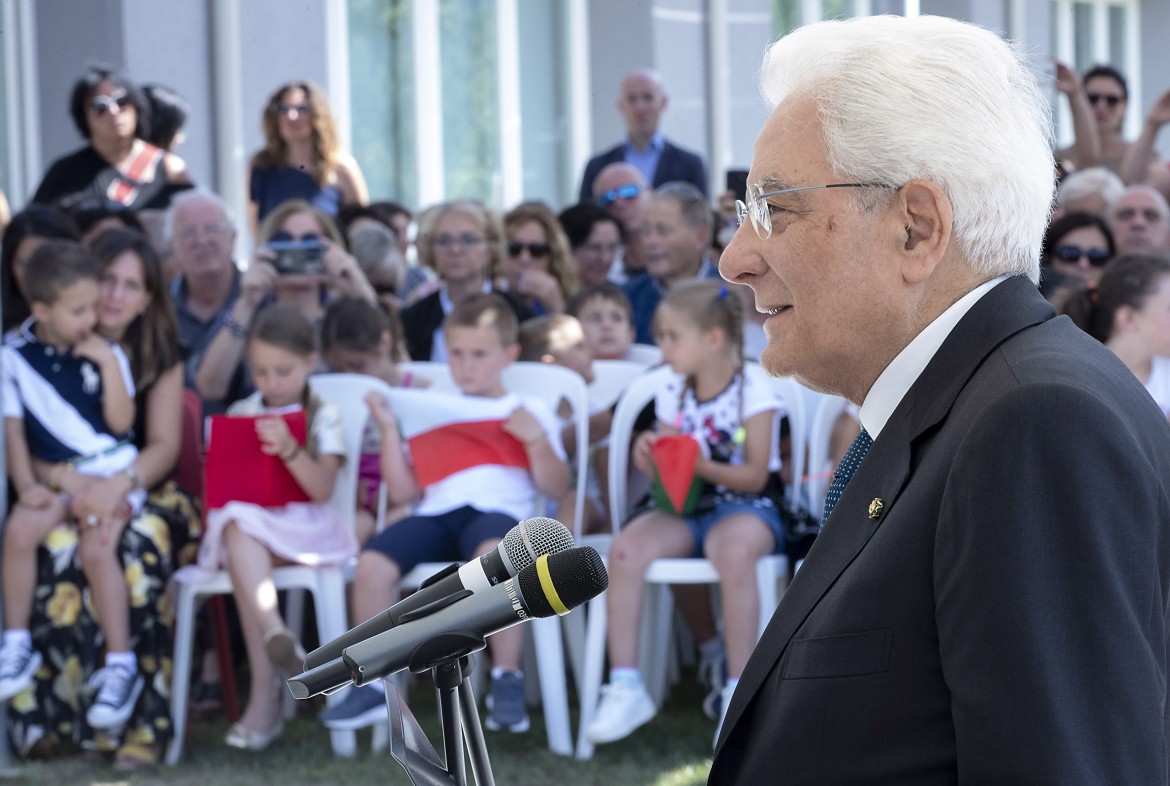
1111 100
99 106
1071 254
760 211
628 191
288 237
192 232
466 240
285 108
602 249
537 250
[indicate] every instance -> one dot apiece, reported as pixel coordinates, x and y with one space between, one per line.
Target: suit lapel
1008 308
664 172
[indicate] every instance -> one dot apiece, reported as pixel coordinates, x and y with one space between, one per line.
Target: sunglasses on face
285 108
100 106
628 191
1097 256
536 250
289 237
1096 98
467 240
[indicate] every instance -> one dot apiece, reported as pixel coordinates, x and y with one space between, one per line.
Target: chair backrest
646 354
347 393
638 393
610 378
188 473
819 462
551 384
792 394
438 373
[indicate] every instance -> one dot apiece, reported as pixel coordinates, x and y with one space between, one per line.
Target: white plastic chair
661 573
820 465
550 384
646 354
438 373
326 583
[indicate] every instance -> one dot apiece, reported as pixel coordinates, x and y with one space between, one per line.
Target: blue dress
272 185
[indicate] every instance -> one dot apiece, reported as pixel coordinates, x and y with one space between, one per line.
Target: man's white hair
194 195
930 97
1090 182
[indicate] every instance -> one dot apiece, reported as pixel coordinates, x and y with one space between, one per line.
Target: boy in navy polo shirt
68 403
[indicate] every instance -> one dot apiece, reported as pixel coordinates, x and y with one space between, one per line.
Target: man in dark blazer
641 103
987 601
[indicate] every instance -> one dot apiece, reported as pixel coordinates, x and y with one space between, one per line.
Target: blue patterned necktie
849 464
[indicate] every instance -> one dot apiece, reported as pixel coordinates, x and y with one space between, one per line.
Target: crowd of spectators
376 284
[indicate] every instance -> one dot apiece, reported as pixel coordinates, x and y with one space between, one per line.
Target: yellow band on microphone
546 583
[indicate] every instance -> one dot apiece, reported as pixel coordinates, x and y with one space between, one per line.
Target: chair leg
550 656
574 630
222 641
330 606
181 668
591 671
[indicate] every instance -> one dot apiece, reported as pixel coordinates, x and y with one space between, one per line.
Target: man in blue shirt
641 103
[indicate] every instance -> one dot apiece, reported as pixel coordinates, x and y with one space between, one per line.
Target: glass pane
542 109
889 7
836 9
785 16
1082 36
471 129
382 97
1117 51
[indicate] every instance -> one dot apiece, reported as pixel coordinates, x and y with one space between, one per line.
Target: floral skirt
162 538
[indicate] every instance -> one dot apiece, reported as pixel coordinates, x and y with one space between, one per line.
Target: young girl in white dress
250 540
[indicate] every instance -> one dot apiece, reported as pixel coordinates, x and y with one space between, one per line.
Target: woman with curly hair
301 158
539 268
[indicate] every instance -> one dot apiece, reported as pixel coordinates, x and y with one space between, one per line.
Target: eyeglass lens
101 105
1096 98
465 240
1096 256
288 237
284 108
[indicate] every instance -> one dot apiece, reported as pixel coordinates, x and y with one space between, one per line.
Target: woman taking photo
133 310
117 165
301 158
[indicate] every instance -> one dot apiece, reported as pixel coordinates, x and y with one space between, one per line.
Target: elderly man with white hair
987 601
1140 221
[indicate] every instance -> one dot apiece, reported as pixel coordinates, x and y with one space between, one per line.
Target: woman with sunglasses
1129 312
1076 247
539 269
302 157
117 165
1098 102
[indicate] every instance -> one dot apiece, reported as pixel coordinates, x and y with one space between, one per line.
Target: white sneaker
724 702
621 710
118 691
18 665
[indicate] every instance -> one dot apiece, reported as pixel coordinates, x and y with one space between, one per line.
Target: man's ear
923 231
513 352
38 310
1123 317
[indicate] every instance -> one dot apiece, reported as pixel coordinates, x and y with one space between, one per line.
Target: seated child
465 514
68 401
358 337
607 318
560 339
251 540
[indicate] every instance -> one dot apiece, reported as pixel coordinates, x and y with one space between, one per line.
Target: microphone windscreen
533 537
569 578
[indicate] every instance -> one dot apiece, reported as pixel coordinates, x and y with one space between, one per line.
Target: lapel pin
876 507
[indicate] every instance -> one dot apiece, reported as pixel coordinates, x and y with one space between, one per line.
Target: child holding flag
715 476
474 476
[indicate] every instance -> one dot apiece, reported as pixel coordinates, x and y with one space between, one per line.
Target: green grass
672 750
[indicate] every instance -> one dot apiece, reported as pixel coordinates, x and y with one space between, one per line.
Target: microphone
518 550
555 584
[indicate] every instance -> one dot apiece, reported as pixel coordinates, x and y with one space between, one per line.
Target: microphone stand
447 657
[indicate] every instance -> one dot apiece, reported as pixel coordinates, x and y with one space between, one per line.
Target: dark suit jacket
1003 620
674 164
421 319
